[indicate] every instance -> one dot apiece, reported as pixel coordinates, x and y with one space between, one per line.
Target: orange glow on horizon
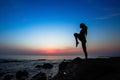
67 50
59 50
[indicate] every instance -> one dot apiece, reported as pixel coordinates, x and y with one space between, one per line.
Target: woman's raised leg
76 36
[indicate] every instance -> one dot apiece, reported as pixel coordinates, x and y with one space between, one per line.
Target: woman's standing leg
76 36
84 49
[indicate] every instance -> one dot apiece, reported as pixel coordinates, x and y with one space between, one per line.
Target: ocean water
11 67
12 64
35 57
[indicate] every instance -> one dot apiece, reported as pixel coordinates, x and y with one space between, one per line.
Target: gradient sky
47 26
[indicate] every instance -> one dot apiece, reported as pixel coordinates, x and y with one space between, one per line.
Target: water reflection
34 57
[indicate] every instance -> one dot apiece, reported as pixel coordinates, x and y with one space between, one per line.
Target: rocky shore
91 69
76 69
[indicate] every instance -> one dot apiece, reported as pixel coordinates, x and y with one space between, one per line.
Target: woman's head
83 26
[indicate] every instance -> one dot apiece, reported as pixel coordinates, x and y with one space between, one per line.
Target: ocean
10 65
35 57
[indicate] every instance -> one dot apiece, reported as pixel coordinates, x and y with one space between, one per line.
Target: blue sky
50 24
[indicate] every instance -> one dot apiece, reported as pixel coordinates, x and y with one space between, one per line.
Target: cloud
108 16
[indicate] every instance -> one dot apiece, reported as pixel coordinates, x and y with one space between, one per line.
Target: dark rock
22 75
47 66
39 76
77 60
91 69
2 73
39 66
65 64
49 77
8 77
62 66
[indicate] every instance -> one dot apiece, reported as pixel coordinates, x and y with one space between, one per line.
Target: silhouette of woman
82 37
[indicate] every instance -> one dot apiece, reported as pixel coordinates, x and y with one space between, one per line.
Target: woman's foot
77 44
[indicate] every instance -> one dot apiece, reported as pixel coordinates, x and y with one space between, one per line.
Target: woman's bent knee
75 34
